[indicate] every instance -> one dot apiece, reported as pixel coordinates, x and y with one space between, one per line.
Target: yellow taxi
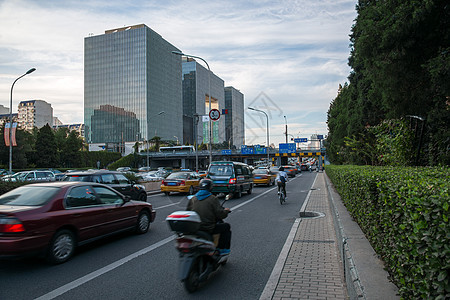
181 182
263 176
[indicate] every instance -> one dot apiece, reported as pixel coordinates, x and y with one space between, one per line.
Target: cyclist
281 179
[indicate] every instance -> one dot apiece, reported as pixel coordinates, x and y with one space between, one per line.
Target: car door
124 186
84 212
118 214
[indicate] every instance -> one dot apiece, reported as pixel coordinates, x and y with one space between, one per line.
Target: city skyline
287 57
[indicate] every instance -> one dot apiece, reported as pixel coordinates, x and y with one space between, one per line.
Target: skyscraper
132 87
196 102
234 119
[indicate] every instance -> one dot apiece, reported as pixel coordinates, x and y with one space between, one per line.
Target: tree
46 148
71 156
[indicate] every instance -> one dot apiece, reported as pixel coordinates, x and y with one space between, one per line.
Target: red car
53 218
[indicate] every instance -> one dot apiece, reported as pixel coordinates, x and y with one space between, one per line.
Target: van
230 177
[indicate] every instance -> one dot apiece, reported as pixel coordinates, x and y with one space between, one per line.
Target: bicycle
282 194
282 197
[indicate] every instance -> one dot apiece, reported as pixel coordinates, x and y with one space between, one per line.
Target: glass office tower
132 87
234 119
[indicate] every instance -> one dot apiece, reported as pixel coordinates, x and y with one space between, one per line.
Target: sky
287 57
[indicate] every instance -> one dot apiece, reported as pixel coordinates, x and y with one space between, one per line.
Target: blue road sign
320 137
226 152
300 140
287 148
246 150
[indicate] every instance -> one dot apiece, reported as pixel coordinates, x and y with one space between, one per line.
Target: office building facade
196 90
234 117
132 90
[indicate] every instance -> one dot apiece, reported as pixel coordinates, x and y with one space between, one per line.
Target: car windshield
221 170
29 195
178 176
260 171
83 178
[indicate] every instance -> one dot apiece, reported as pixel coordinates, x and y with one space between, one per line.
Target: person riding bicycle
281 179
211 213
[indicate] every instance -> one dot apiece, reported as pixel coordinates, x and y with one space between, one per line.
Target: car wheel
142 197
191 190
238 194
143 223
249 191
61 247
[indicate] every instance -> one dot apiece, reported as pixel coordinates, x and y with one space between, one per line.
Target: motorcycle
198 252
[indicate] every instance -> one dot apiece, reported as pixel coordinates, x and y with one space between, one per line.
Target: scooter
199 255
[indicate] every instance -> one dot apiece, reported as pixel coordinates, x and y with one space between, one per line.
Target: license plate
220 181
257 177
171 183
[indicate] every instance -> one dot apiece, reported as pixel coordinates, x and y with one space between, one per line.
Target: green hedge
404 212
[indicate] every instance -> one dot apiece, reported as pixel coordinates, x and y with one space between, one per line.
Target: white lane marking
269 289
307 196
76 283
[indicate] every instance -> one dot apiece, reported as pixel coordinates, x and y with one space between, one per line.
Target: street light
148 150
267 117
10 118
209 96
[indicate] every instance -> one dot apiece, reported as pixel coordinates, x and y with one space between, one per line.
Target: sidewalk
311 264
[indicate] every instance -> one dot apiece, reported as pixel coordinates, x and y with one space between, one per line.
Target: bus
177 149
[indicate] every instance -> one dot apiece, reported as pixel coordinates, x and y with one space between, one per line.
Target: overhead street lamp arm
209 96
10 117
267 119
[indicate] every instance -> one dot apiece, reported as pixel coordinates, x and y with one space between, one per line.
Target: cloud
295 51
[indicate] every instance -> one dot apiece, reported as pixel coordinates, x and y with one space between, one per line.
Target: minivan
230 177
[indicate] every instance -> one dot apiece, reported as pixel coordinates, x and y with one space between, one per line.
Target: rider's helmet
281 169
205 184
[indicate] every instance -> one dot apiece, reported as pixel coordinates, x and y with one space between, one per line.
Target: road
132 266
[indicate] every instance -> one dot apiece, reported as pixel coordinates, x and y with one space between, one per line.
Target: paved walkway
312 268
310 265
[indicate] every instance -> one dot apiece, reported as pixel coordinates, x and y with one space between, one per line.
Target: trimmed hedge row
404 213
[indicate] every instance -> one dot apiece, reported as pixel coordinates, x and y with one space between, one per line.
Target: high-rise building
197 84
34 113
234 117
132 87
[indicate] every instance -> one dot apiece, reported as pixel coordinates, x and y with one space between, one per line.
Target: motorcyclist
281 180
211 213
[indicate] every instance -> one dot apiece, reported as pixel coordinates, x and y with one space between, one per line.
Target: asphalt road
131 266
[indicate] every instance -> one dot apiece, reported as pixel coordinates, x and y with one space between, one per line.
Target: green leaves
404 212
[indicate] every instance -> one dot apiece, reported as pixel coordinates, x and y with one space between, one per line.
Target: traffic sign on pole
214 114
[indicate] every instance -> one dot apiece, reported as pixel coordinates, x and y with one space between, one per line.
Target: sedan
290 171
263 176
181 182
51 219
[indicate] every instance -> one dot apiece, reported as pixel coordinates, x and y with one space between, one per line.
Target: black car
114 179
230 177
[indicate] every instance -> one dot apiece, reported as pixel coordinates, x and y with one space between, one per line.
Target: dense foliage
400 60
404 212
46 148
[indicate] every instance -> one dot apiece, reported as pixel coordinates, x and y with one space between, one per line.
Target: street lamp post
148 149
209 96
285 119
267 118
10 118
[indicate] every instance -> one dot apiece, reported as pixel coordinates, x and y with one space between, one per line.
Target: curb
364 274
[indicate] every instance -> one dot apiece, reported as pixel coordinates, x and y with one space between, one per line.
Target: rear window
178 176
221 170
28 195
259 171
83 178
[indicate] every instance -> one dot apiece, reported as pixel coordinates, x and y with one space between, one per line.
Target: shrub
404 212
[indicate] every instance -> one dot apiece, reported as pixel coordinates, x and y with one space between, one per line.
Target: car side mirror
126 199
